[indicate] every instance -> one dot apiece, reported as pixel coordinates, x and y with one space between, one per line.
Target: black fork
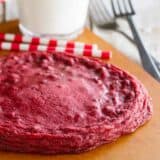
124 9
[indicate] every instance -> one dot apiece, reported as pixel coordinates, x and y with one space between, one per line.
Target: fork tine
113 8
119 7
124 8
131 6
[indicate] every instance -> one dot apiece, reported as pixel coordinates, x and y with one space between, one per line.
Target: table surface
144 144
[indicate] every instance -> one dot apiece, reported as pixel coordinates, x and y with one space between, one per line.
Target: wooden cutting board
144 144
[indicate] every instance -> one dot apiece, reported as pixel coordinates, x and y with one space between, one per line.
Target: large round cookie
57 103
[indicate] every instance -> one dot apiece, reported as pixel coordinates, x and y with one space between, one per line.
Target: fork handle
146 59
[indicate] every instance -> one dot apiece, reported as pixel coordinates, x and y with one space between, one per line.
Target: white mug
57 18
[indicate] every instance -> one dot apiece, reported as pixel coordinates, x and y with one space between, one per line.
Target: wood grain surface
144 144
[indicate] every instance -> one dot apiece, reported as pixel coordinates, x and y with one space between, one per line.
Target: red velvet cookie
58 103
